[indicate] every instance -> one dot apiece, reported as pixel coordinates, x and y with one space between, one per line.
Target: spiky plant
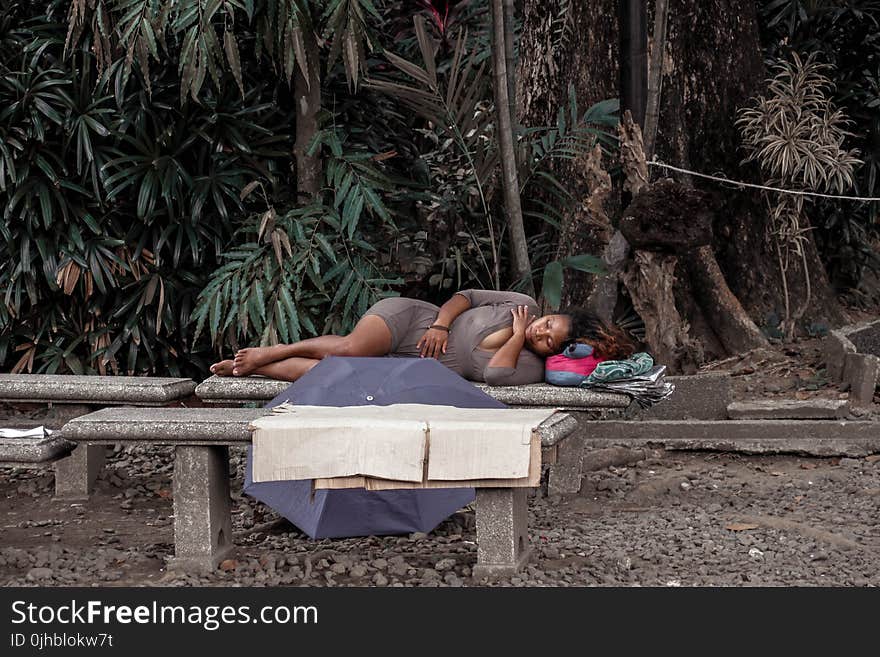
796 136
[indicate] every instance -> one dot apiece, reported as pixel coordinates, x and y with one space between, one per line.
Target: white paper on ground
37 432
390 442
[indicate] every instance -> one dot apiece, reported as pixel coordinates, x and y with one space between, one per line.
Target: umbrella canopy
337 381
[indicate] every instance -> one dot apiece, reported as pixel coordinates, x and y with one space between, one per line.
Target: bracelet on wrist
439 326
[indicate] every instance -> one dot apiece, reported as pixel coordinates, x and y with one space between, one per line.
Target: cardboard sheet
415 443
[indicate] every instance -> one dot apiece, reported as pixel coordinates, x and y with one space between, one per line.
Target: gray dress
408 319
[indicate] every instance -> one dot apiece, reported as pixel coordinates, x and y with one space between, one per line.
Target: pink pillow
562 363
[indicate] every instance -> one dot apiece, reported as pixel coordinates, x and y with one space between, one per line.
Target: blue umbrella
339 381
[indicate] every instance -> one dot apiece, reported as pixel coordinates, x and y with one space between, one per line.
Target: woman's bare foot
223 368
253 358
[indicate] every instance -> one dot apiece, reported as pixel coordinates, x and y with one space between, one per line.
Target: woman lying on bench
482 335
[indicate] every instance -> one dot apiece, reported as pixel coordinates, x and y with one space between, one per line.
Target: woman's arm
508 354
488 297
433 342
450 310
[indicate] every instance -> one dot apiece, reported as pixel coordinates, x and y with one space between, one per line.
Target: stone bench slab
211 426
697 397
233 390
33 450
164 426
789 409
93 390
815 437
564 398
237 391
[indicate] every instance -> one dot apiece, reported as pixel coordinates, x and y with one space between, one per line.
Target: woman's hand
520 319
433 343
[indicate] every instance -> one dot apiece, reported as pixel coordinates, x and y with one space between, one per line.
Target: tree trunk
714 65
522 269
655 75
633 59
510 56
307 99
733 327
651 281
566 44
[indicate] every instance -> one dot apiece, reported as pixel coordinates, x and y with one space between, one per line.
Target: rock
551 553
611 484
379 564
39 573
453 580
357 571
380 580
445 564
851 463
398 566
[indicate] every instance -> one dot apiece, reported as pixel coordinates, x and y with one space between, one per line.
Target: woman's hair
608 341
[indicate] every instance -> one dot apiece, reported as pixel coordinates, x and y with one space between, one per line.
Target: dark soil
682 519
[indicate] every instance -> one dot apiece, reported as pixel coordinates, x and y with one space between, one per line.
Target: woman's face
545 335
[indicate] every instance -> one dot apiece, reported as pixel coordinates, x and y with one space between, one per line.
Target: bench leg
75 474
564 477
202 517
502 531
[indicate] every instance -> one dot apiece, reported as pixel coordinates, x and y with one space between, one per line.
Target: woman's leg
289 369
223 368
371 337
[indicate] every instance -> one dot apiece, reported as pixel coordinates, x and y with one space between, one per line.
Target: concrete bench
33 451
80 395
202 515
852 356
562 460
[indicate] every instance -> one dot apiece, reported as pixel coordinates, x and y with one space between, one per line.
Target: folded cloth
399 442
637 377
612 370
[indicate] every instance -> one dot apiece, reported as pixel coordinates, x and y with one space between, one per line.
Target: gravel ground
680 519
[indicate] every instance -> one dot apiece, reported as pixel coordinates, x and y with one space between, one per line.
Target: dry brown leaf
873 458
164 493
808 466
740 526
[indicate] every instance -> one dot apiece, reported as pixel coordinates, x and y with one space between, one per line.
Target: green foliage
206 36
115 201
348 31
552 285
150 213
455 100
572 136
456 106
310 269
845 35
